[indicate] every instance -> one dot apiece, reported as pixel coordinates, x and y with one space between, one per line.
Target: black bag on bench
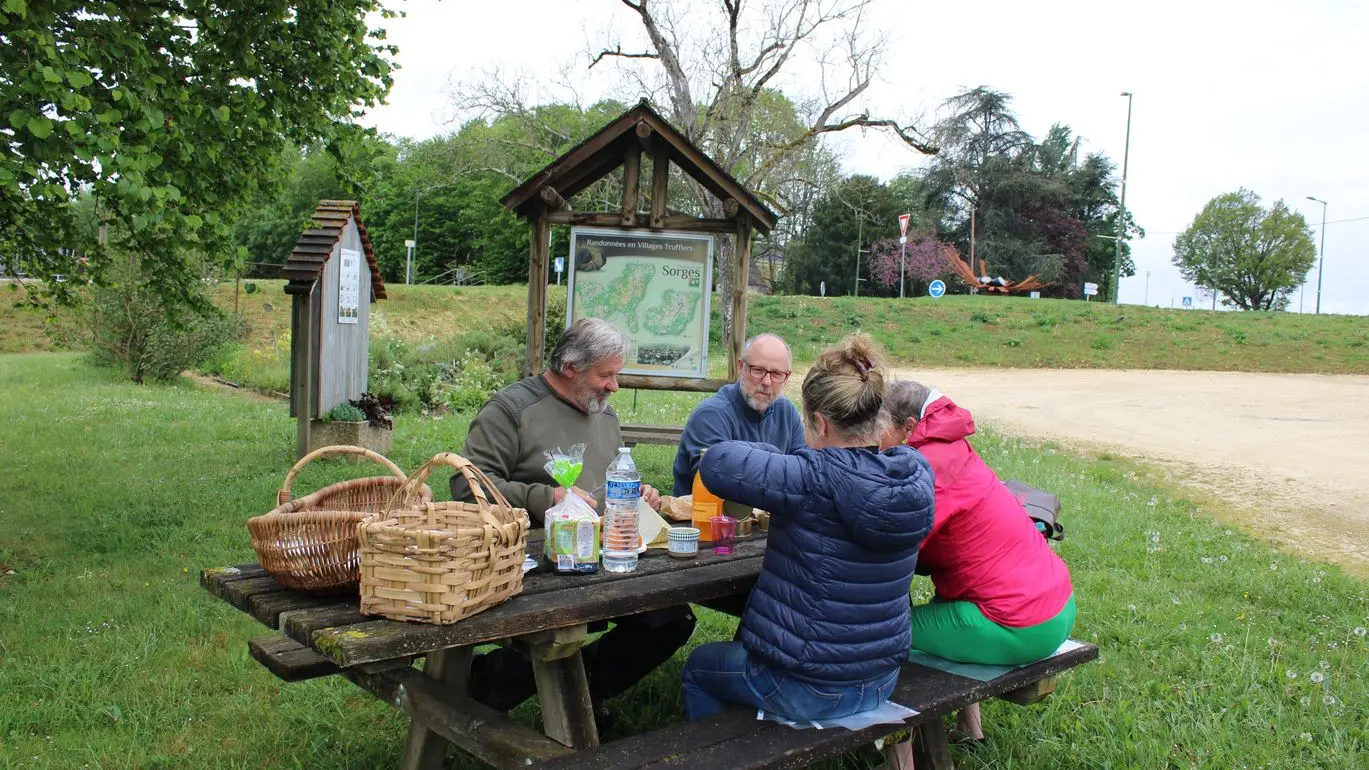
1043 507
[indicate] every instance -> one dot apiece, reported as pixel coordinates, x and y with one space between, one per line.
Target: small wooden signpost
544 200
333 277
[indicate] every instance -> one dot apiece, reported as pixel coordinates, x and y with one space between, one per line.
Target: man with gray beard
567 404
751 409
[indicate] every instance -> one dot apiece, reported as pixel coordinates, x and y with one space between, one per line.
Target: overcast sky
1271 96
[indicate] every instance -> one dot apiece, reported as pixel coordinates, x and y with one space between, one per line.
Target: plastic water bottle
623 488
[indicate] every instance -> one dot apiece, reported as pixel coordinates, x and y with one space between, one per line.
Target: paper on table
651 526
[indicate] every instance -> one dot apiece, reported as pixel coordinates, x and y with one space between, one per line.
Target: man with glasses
751 409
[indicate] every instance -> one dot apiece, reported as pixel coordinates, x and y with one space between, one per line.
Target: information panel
656 286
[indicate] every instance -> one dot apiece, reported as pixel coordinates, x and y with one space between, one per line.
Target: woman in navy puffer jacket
826 627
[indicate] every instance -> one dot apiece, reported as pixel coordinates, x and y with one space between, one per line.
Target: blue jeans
723 673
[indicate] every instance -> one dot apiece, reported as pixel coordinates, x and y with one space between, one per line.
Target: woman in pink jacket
1003 597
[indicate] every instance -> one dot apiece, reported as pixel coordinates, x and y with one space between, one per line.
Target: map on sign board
655 286
349 286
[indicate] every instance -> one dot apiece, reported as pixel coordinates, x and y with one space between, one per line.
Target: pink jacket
983 548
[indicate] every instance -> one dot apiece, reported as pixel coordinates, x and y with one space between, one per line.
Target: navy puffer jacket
831 605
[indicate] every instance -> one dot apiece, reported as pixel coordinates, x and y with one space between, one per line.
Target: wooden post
632 173
741 265
932 749
537 291
425 749
660 179
302 366
563 689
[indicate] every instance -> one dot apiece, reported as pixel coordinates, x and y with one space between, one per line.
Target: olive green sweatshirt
519 423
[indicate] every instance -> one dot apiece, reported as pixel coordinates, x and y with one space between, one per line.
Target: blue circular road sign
937 288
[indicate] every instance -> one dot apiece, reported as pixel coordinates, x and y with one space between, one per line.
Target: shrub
345 413
134 328
981 317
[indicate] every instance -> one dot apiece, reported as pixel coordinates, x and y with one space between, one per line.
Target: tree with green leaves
171 115
850 216
1021 206
1250 256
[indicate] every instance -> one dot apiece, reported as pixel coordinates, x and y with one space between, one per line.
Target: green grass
114 496
955 330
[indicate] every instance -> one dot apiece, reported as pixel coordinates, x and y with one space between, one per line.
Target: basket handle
482 488
337 450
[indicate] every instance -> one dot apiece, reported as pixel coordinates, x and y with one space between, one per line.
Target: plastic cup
724 534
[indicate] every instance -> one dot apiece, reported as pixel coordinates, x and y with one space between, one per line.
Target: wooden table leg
933 746
425 749
563 688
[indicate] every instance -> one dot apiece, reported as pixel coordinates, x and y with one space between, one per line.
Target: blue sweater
724 416
831 605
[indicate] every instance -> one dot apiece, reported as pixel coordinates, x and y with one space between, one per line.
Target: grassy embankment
952 331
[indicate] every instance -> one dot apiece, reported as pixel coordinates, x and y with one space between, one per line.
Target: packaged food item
572 527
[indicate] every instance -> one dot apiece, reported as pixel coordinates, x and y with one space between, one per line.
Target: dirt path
1290 451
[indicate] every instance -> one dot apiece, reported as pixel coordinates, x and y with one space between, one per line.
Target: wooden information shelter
544 200
333 278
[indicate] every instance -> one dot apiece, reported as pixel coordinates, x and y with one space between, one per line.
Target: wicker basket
310 544
441 562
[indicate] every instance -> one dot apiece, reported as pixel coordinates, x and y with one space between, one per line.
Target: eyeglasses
760 373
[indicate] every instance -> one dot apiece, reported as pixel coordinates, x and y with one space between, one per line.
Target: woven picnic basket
439 562
310 543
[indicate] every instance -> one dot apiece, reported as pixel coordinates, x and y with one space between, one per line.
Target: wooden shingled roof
313 248
596 157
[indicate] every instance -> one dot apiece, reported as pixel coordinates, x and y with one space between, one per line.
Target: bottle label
623 490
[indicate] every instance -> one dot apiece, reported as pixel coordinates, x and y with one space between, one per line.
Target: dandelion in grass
1305 701
1273 566
1291 674
1306 737
1216 638
1325 665
1227 532
1222 558
1329 700
1206 560
1316 677
1361 631
1175 600
1316 580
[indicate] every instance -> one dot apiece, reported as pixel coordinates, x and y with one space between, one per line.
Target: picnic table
550 620
327 635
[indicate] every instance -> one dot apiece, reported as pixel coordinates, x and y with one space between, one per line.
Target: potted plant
363 422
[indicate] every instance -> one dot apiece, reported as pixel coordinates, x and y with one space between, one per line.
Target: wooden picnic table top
333 626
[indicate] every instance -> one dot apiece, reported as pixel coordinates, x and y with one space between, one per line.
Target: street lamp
1321 262
1122 214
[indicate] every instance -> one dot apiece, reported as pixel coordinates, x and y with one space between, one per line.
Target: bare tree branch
620 53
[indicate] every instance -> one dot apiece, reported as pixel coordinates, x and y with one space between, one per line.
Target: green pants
959 631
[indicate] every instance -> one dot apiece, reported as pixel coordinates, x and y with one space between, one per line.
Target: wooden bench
735 739
665 435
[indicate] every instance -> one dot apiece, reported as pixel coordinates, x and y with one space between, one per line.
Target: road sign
1036 295
408 244
559 264
1188 302
936 288
903 225
1090 289
902 240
